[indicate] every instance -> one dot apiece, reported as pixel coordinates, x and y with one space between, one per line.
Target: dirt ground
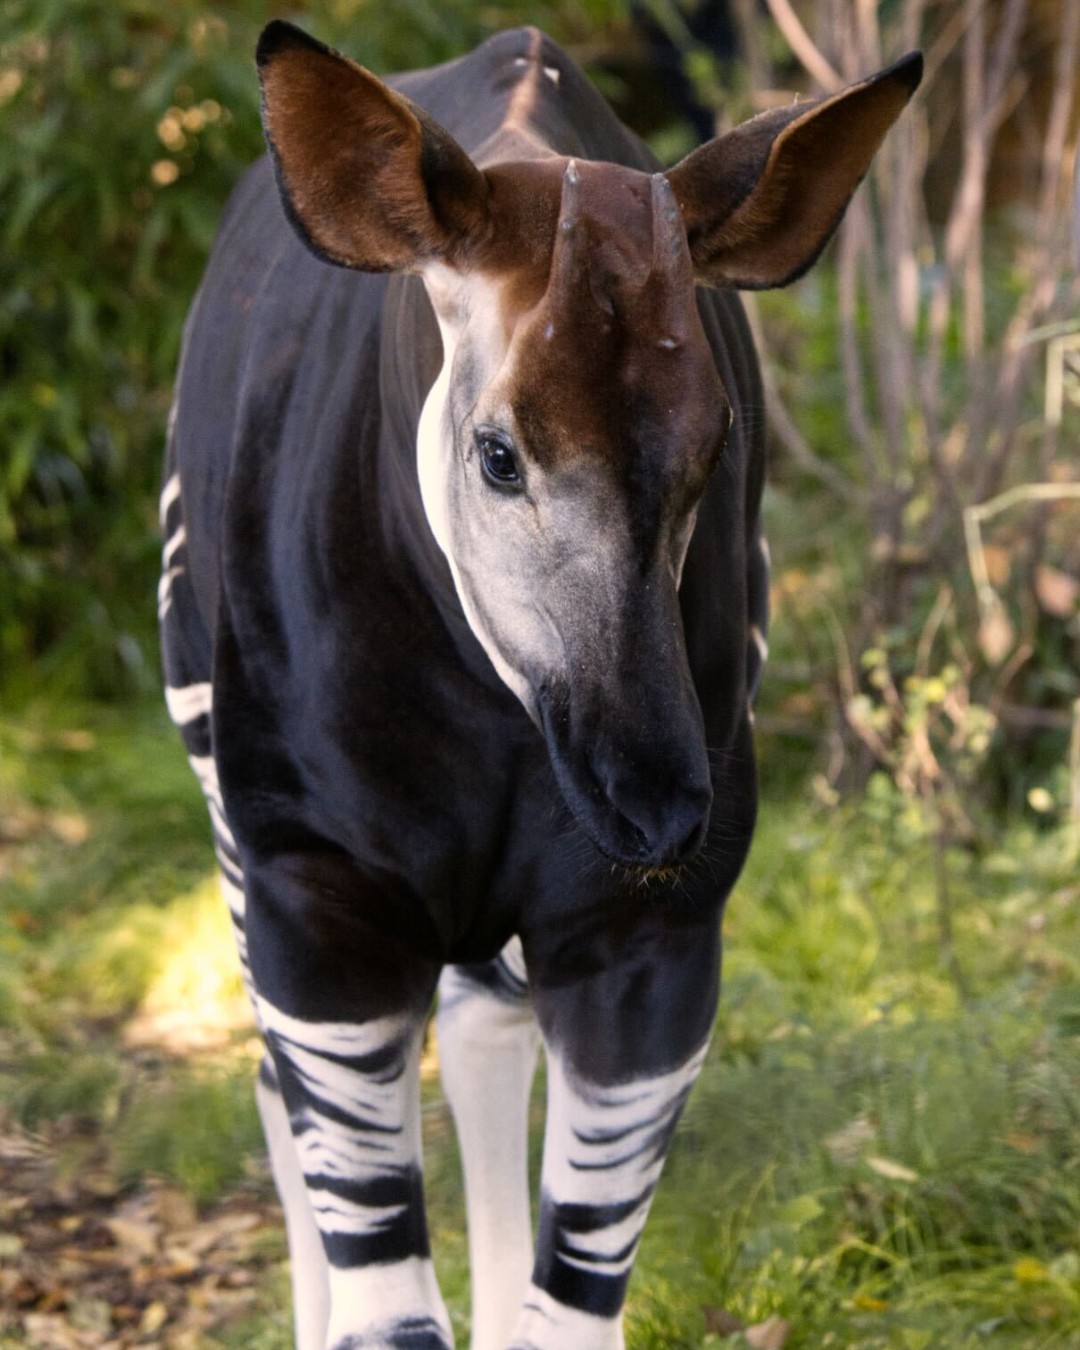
88 1265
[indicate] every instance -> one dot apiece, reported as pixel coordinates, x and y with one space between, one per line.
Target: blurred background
884 1149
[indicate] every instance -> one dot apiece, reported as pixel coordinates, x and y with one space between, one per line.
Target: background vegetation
883 1151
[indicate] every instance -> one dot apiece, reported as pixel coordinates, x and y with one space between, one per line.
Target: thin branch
976 516
803 46
938 614
784 428
1054 155
1002 57
853 235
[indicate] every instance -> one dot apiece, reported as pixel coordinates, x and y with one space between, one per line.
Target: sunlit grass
883 1160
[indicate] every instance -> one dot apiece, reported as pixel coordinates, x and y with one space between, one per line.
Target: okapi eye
500 465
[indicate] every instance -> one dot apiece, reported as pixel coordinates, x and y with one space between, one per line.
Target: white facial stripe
431 437
454 297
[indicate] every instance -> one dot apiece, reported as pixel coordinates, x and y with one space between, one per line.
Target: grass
872 1155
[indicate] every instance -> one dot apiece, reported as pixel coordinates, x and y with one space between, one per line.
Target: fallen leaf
179 1262
48 1331
137 1238
892 1171
69 827
153 1318
845 1146
800 1211
720 1322
91 1315
76 739
771 1334
1058 593
175 1209
1029 1271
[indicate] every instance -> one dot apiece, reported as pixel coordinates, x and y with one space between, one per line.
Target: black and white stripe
604 1150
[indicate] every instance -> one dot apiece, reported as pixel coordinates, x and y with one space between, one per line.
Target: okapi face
578 414
562 455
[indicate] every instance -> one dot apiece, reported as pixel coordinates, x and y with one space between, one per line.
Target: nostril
694 837
665 831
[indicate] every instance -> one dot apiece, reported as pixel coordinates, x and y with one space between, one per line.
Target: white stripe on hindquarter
189 703
169 494
175 542
165 590
205 770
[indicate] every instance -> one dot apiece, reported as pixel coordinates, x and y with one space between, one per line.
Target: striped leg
352 1093
604 1150
308 1264
625 1043
488 1044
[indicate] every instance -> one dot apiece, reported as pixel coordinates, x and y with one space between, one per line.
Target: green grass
882 1156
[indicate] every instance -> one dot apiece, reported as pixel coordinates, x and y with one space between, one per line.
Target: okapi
464 606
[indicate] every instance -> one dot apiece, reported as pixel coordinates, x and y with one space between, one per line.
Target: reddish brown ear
762 201
367 178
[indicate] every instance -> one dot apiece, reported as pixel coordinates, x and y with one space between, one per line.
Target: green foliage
124 126
194 1128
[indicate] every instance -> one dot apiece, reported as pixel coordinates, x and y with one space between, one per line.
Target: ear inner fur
761 202
368 179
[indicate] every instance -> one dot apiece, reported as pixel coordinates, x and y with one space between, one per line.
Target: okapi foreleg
352 1096
624 1048
343 1011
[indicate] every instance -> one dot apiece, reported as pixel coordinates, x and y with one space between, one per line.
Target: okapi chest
463 609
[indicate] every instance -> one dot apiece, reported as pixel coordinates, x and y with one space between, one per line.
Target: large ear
762 201
367 178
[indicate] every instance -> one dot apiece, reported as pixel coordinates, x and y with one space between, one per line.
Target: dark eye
500 464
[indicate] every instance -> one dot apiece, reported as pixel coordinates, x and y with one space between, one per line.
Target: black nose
668 825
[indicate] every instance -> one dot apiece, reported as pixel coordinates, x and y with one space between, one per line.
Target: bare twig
851 243
784 428
928 636
975 516
803 46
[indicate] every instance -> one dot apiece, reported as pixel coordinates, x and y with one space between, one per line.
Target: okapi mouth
651 834
645 878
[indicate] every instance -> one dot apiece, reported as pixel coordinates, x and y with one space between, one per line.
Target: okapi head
578 415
